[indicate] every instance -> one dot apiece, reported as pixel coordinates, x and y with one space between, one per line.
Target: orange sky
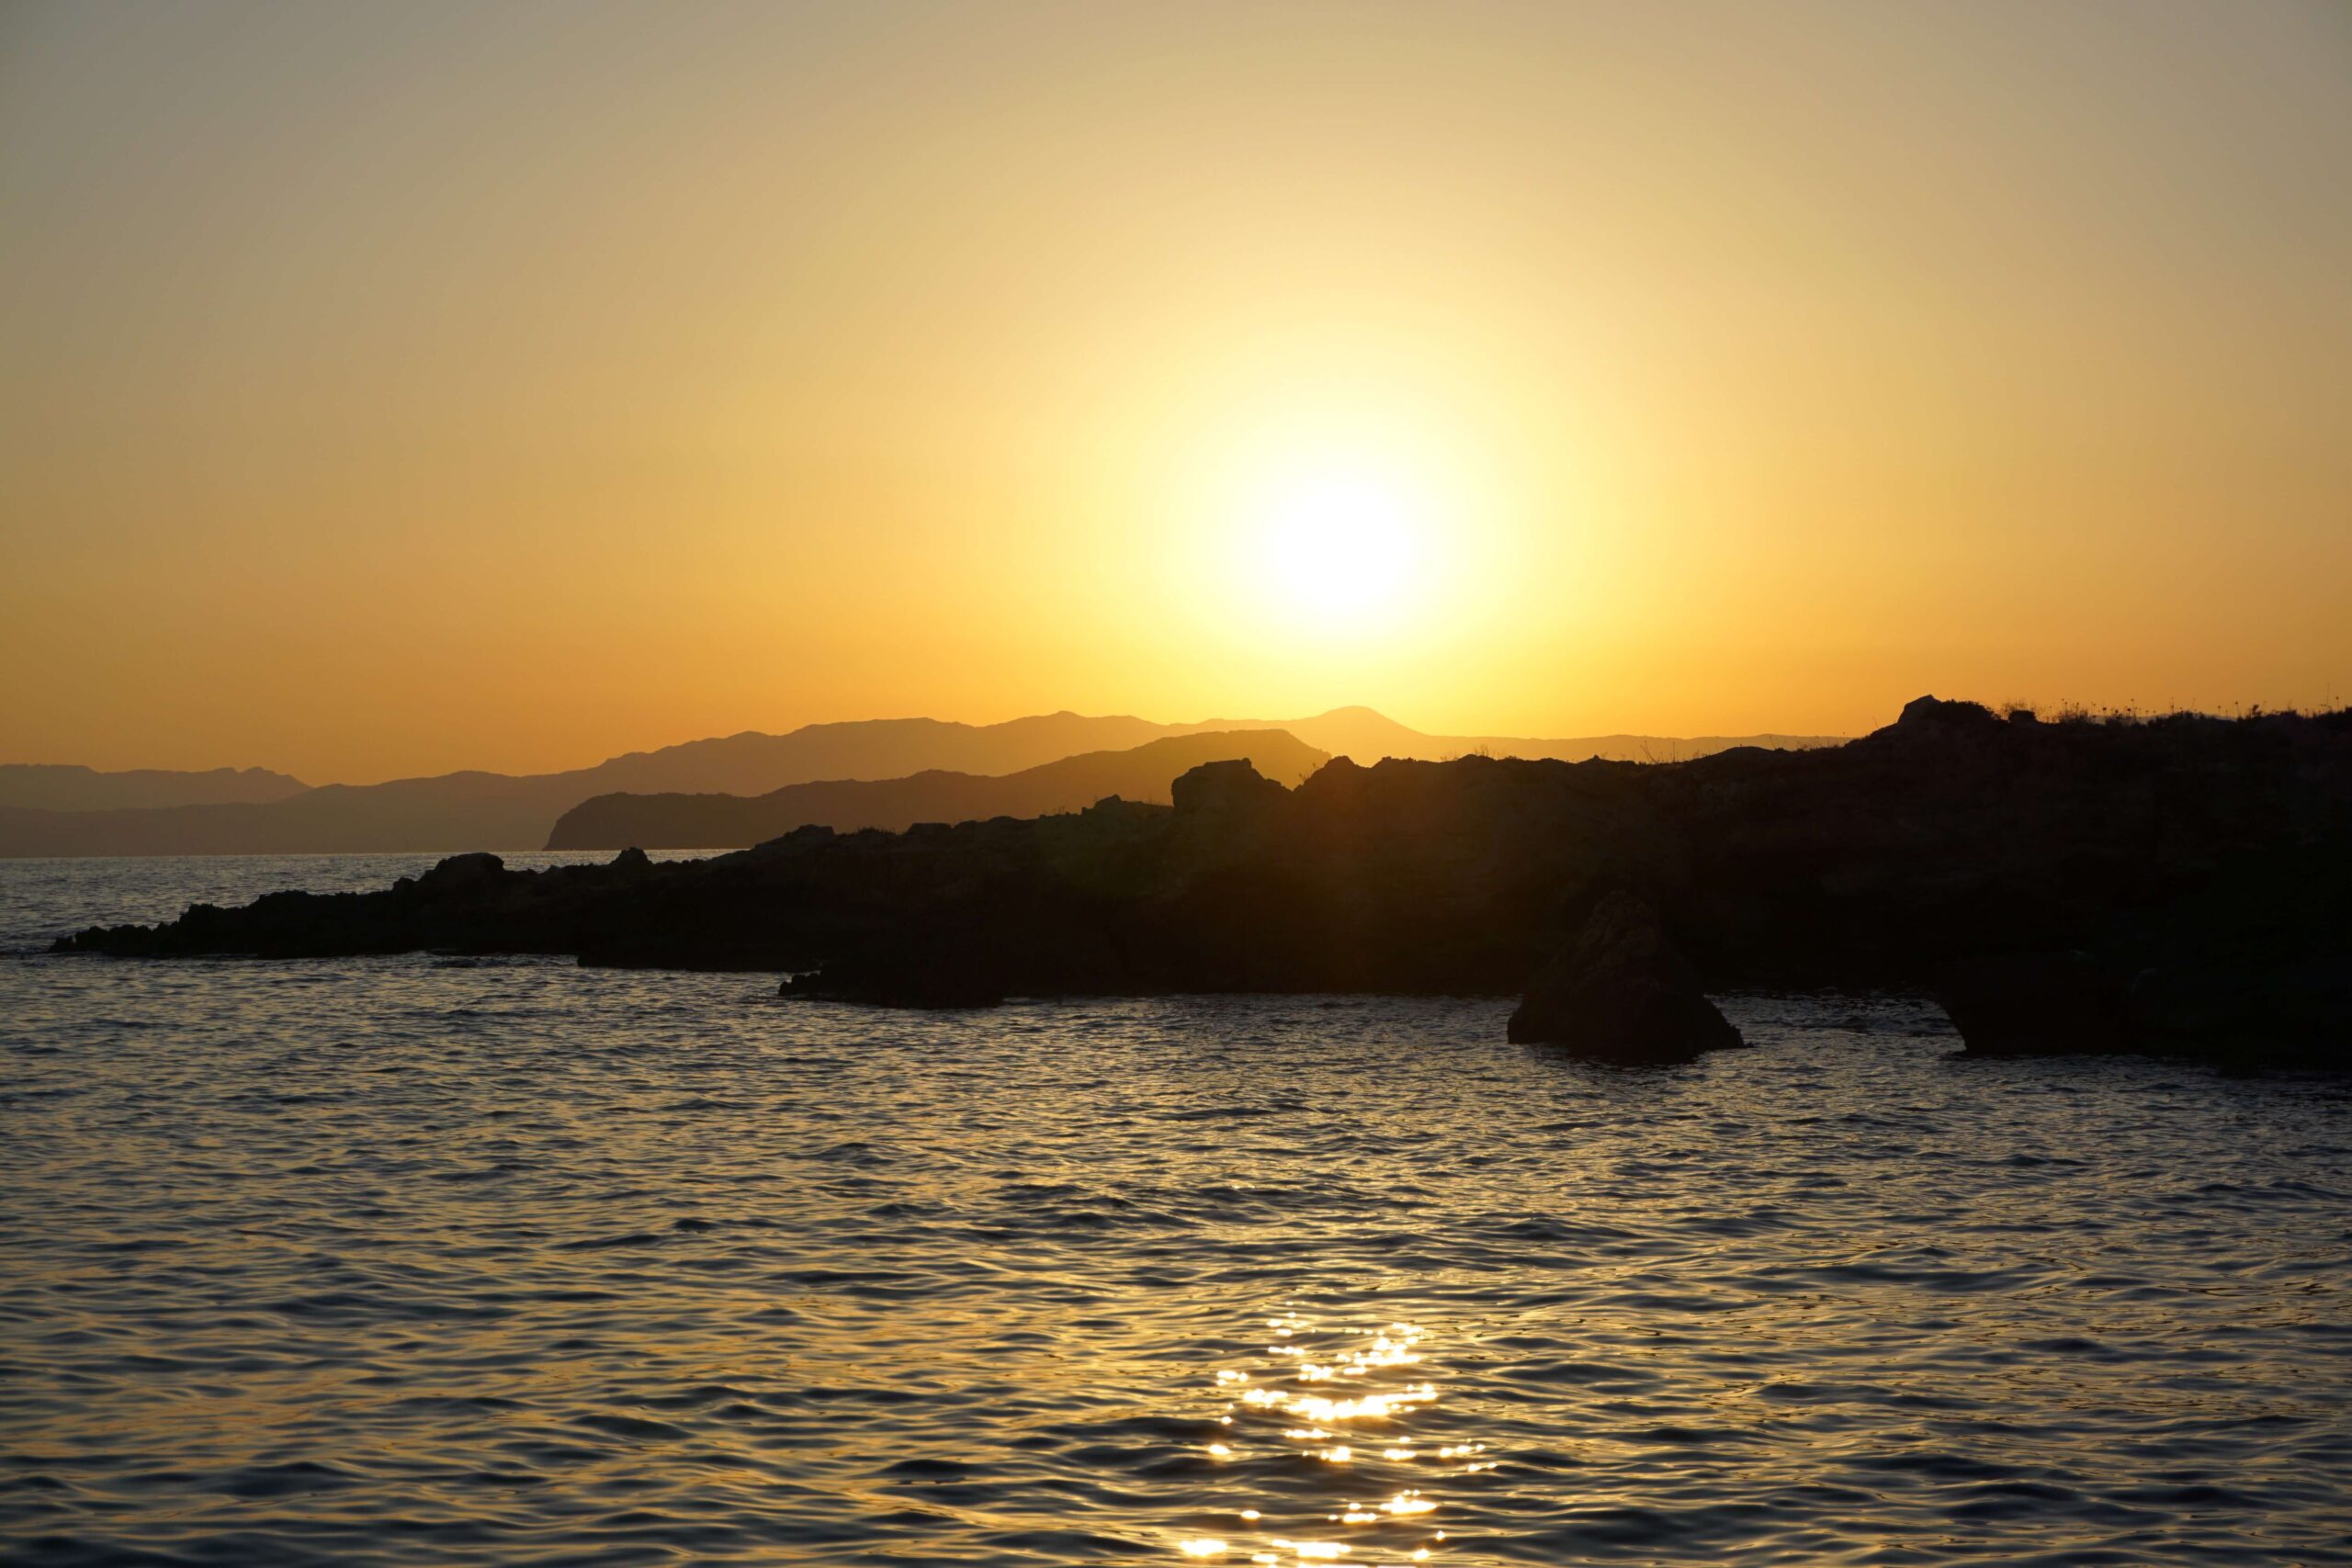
390 388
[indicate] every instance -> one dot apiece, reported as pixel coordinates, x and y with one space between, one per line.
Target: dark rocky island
2182 885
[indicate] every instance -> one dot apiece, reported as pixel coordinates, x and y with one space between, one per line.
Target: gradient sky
390 387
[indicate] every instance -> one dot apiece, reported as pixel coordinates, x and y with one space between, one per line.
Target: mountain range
485 810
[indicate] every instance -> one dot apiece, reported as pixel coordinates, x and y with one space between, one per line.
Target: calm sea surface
384 1261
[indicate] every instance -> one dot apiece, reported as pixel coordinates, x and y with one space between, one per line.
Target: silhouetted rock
462 873
1932 713
1622 991
2034 1004
1226 791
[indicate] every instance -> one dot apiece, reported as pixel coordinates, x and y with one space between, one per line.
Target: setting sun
1341 544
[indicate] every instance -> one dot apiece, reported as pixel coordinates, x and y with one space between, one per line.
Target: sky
388 389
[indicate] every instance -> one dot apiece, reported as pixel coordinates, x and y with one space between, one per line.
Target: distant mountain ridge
67 786
496 811
728 821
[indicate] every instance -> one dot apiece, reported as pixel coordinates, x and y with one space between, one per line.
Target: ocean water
390 1262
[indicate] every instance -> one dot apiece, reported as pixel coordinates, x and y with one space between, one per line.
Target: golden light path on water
1343 1394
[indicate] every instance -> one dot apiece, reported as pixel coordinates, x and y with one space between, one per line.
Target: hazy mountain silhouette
484 810
753 762
65 786
720 821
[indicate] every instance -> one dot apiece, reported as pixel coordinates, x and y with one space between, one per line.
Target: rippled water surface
390 1262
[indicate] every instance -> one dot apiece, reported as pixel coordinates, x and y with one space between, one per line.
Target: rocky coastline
2181 885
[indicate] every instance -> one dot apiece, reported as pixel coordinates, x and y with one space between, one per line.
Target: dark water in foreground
381 1262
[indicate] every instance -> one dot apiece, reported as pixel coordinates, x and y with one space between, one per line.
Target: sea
416 1262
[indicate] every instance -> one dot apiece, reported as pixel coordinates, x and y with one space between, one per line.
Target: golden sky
392 388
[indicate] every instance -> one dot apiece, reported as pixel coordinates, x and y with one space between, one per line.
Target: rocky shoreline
2181 885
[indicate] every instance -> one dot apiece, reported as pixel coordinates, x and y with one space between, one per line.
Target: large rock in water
2289 1011
2034 1004
1622 991
2229 1007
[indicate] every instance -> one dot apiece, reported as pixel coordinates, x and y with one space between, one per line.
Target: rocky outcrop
1225 794
1622 991
1931 717
2213 855
462 873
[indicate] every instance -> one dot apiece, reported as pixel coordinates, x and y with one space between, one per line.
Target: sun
1341 544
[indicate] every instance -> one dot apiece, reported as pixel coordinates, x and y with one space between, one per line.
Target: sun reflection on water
1284 1407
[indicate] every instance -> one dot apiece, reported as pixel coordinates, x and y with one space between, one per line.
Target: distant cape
496 811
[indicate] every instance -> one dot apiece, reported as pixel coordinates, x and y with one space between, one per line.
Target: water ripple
382 1262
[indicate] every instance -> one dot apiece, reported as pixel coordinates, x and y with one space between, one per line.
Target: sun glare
1341 544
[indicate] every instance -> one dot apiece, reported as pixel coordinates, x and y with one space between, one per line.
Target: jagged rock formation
2211 856
1622 991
